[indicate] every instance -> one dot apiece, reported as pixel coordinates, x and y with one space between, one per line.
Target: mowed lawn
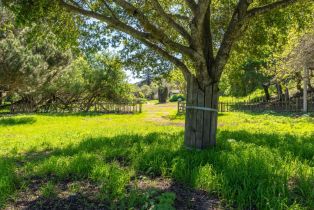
261 161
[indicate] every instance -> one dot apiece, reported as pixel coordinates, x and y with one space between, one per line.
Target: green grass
261 161
48 191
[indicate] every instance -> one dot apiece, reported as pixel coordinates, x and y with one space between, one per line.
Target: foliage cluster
37 69
177 97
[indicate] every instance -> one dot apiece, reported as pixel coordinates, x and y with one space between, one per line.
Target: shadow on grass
249 172
7 121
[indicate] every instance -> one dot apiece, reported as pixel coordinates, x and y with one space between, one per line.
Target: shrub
176 97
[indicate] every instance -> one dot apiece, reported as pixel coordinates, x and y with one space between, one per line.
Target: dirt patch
186 198
83 195
69 195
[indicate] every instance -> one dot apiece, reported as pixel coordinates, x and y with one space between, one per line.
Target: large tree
195 35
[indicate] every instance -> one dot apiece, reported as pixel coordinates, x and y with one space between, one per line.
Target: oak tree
194 35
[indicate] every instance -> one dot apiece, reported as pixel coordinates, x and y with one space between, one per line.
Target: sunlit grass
261 161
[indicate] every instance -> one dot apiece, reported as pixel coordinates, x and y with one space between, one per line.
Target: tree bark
298 77
265 87
201 125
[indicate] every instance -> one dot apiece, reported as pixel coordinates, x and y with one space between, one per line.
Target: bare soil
83 195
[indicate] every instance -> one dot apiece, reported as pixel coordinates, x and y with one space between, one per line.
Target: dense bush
176 97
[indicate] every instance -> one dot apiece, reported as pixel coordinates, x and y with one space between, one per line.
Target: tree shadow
245 169
7 121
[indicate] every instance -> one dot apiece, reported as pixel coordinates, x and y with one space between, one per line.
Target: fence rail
293 105
123 108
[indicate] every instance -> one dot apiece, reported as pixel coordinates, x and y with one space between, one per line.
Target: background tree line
41 68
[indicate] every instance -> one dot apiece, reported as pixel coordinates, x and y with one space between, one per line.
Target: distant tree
298 56
28 63
86 82
260 47
177 81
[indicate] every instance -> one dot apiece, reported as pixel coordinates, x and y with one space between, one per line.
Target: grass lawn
262 161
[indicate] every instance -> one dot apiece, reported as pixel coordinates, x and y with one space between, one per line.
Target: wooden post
305 84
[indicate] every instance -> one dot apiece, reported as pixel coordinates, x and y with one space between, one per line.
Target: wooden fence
122 108
292 105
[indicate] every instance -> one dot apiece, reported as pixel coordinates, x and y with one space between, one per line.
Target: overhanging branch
145 38
170 21
109 20
173 59
157 33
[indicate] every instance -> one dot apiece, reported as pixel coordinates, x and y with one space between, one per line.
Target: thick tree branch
112 22
145 38
234 30
210 40
179 17
170 21
171 58
269 7
202 40
202 9
157 33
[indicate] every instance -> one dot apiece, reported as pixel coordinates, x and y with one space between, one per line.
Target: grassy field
262 161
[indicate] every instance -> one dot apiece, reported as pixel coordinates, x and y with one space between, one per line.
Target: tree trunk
162 94
299 81
287 95
279 91
201 125
265 87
